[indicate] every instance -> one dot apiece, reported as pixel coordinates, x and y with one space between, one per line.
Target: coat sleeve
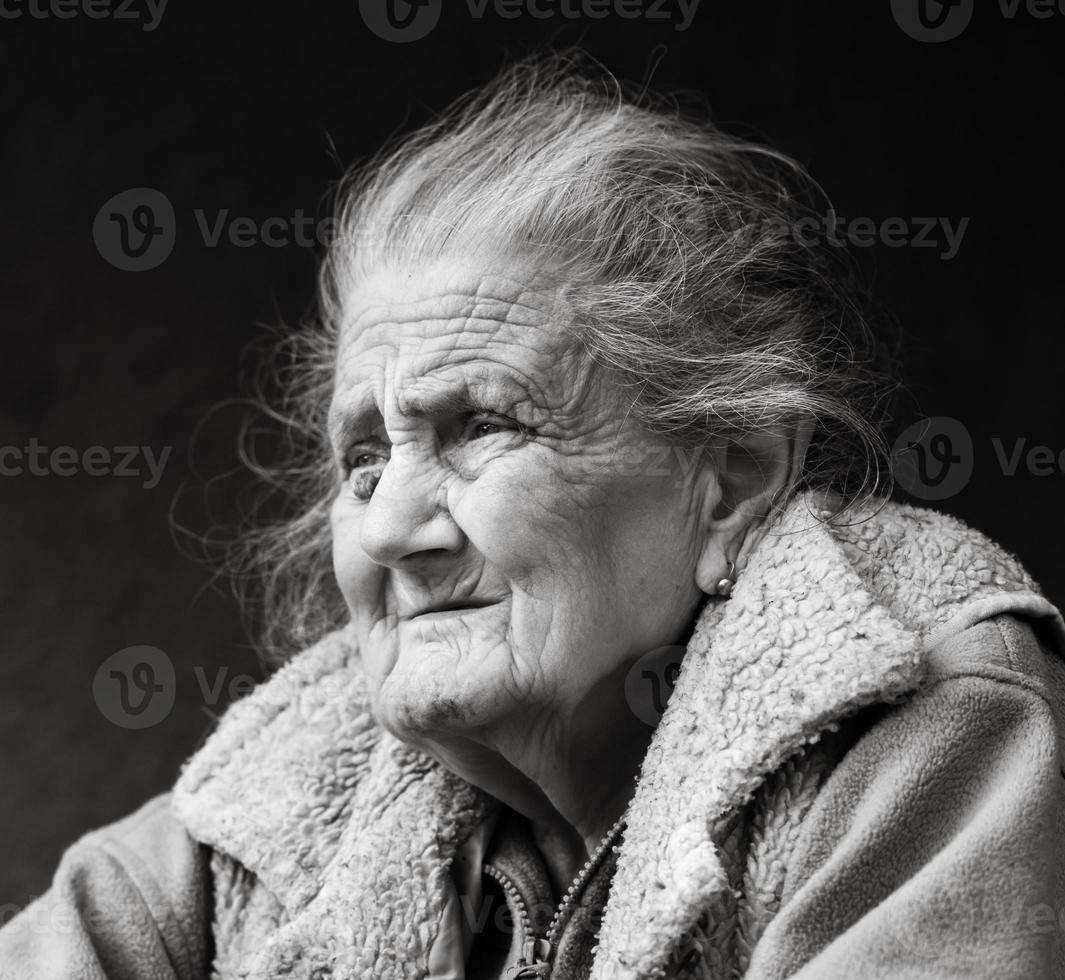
127 901
934 849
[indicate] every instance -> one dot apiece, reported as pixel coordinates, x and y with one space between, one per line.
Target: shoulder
150 828
983 728
935 573
934 838
983 731
990 695
152 850
126 897
1005 650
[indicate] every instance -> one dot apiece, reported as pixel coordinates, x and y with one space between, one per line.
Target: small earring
724 586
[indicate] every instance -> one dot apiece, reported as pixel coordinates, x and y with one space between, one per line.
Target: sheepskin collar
354 833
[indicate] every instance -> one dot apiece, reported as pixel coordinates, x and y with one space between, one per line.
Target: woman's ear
751 476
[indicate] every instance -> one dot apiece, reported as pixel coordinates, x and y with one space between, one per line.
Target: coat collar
354 833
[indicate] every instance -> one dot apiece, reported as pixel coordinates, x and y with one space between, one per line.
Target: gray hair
689 268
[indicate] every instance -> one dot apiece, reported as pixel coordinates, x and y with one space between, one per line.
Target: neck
576 780
567 846
572 776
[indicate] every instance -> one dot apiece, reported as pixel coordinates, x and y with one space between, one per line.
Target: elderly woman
597 428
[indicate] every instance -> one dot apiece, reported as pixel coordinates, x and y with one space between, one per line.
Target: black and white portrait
561 489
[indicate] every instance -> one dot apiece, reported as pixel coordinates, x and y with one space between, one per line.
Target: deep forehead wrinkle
489 299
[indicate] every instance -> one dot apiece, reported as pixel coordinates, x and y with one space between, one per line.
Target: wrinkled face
507 540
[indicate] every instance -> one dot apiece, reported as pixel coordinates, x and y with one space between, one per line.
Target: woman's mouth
451 608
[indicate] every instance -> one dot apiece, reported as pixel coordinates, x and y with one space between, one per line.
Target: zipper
537 951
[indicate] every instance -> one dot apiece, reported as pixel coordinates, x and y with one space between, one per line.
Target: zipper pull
534 965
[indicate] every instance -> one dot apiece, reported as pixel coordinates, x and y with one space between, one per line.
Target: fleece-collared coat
859 774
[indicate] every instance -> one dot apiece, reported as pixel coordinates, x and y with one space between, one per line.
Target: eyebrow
428 395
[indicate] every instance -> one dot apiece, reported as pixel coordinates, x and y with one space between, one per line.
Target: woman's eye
360 459
480 426
481 429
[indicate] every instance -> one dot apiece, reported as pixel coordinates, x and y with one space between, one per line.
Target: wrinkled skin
486 463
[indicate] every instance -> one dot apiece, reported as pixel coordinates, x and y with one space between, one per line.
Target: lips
450 606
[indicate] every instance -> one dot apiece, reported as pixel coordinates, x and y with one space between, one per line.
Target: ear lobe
711 566
752 475
722 542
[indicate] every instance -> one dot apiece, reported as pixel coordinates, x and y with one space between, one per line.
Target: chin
418 708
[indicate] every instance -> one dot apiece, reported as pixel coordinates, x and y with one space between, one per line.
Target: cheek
361 582
357 576
606 556
541 535
530 525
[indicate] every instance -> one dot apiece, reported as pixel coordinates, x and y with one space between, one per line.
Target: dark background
255 106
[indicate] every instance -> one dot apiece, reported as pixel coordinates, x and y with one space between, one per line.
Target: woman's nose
406 520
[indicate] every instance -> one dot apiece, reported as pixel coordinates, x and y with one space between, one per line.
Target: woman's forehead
406 325
446 298
429 340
